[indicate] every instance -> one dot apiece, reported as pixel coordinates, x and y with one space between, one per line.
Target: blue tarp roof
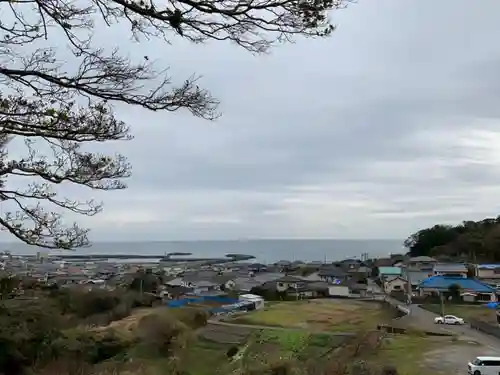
444 282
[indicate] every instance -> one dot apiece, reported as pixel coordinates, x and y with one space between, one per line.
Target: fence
485 327
184 301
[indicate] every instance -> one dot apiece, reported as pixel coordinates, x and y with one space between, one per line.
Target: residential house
246 283
350 264
358 290
395 284
398 260
416 277
315 264
313 277
258 301
257 267
487 271
333 274
203 286
171 292
289 282
339 290
360 273
422 263
173 270
68 279
450 269
304 289
205 281
385 273
439 284
296 287
284 265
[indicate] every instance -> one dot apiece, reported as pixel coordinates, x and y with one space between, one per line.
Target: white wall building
255 299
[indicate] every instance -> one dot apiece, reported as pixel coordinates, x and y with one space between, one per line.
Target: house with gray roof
450 269
333 274
205 281
416 277
245 283
421 263
487 272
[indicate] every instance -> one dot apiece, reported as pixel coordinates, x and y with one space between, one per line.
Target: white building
253 298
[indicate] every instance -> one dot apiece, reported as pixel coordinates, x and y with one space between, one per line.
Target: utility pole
442 303
408 283
408 287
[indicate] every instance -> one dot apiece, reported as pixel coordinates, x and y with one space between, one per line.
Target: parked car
484 366
449 319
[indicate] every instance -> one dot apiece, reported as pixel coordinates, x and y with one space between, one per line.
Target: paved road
425 320
253 326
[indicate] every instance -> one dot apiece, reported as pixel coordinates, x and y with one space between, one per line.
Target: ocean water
263 250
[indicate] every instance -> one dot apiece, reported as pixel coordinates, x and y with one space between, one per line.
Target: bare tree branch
42 93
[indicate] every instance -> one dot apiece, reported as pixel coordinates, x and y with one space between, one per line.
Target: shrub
389 370
161 335
193 317
85 303
231 352
89 347
26 334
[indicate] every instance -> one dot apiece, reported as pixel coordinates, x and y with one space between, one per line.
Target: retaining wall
485 327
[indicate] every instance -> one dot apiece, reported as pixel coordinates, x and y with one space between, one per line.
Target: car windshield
476 362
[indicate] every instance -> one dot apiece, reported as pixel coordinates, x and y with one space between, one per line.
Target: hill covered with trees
470 240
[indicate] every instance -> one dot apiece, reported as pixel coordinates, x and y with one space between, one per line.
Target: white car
484 366
449 319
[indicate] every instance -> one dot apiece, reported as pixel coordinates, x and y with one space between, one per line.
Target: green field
260 349
319 315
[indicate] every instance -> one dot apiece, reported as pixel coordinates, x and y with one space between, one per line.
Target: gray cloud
388 126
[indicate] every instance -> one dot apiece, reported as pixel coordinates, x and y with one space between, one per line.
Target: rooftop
444 282
389 270
416 277
422 259
485 358
444 267
488 266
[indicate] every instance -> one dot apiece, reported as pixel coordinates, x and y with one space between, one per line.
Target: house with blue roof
439 284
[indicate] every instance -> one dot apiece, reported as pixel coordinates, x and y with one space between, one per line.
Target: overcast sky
386 127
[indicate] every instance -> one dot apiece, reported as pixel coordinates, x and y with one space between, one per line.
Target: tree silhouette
58 86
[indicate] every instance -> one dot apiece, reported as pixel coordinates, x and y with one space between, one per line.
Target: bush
161 335
231 352
89 347
389 370
85 303
193 317
26 334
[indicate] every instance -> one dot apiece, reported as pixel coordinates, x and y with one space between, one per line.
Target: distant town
231 303
179 275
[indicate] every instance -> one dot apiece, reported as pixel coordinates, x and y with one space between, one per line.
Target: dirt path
453 359
128 323
253 326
